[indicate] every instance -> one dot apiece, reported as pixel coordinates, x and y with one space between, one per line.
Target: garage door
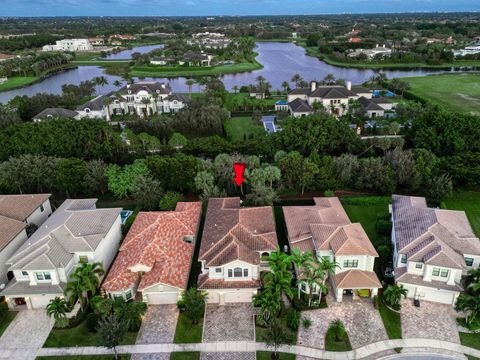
213 297
238 297
163 298
40 302
444 297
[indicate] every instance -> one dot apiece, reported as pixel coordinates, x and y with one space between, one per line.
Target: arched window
237 272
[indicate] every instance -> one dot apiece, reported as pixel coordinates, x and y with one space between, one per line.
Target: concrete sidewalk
251 346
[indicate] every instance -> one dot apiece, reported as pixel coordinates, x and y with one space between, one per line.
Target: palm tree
74 290
472 279
235 89
57 308
130 311
285 85
278 260
329 79
117 83
393 294
84 282
279 282
269 303
100 81
297 79
470 306
338 329
190 83
313 277
327 267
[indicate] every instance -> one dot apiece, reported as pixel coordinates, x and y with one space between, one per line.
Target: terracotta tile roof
356 279
204 283
20 207
9 229
156 241
327 227
233 233
433 236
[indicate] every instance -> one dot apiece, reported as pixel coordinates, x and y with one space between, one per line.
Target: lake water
127 54
280 61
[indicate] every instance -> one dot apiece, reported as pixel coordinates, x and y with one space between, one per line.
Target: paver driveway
362 322
25 335
158 326
229 322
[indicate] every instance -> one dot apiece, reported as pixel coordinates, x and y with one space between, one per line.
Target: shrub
365 200
293 319
169 200
62 323
383 227
329 193
306 323
91 322
181 305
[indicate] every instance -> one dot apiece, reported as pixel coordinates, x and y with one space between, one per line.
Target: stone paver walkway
25 335
251 346
362 322
158 326
228 356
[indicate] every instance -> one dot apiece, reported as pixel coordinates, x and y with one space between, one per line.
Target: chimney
376 45
384 46
349 85
313 85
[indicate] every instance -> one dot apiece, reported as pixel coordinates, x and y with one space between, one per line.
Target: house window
436 271
350 263
129 295
444 273
237 272
218 270
403 258
42 208
469 261
245 272
418 266
303 287
83 259
24 273
41 276
230 273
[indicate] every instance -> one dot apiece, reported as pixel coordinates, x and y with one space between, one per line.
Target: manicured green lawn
84 357
80 336
17 81
391 321
266 355
242 128
468 201
191 355
470 340
454 92
185 332
6 320
332 345
269 103
161 71
367 212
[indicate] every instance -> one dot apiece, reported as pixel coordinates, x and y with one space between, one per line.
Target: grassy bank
454 92
468 201
242 128
186 332
314 51
18 82
187 355
160 71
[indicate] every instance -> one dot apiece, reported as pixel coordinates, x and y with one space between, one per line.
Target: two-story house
76 232
433 248
20 215
233 242
156 256
325 230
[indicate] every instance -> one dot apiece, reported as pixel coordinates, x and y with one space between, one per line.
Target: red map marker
239 169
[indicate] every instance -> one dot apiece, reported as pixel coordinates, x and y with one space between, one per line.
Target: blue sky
224 7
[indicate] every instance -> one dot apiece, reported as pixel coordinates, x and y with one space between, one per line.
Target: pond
280 61
127 54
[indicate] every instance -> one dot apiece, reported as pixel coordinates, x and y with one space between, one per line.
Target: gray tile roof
325 92
178 97
20 207
9 229
433 236
55 113
369 105
299 105
96 104
150 87
76 226
23 288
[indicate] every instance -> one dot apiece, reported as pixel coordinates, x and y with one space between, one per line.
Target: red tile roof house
156 255
16 213
433 248
326 230
233 242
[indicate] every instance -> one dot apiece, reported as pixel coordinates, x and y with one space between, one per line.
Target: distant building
96 41
55 113
469 50
378 51
4 57
73 45
196 59
354 40
121 37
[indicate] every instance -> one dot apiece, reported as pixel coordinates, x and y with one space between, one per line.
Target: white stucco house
433 248
70 45
76 232
325 230
17 214
155 258
234 240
